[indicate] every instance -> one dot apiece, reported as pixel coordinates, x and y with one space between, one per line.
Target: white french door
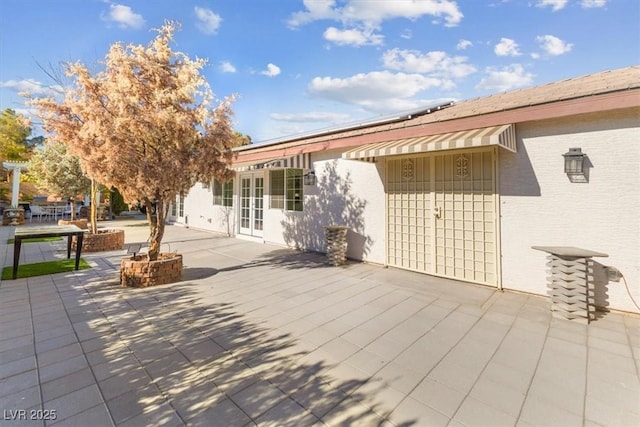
441 215
252 204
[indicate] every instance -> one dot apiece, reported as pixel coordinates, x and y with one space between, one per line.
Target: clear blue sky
303 65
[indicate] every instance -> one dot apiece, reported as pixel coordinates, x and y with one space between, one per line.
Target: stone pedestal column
336 244
570 289
570 282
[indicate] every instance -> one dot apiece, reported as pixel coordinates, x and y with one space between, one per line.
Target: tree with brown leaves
146 125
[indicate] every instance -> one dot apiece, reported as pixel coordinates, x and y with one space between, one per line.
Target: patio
257 334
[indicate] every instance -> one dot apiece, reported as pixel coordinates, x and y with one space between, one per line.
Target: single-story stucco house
461 190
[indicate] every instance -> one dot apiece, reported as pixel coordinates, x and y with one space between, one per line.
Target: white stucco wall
539 206
201 213
347 193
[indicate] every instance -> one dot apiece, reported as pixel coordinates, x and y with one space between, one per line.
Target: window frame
286 189
222 193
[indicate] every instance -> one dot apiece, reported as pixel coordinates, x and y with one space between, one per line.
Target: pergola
16 168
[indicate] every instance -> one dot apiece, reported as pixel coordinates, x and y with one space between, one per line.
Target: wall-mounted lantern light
309 178
574 165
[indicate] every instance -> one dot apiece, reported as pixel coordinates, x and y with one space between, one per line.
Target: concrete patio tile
503 349
232 376
67 384
57 342
351 412
224 413
119 363
378 396
625 397
503 398
17 383
610 346
453 375
13 343
537 412
475 412
96 416
605 413
53 331
287 412
156 415
258 398
509 378
119 384
438 396
567 396
319 336
367 362
75 402
396 375
197 398
346 377
59 354
23 399
134 402
18 332
21 419
107 343
360 336
412 412
318 397
340 349
17 353
17 366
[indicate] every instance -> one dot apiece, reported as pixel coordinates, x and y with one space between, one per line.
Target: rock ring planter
80 223
103 240
137 271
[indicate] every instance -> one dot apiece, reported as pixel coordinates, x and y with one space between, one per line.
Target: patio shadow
332 201
174 348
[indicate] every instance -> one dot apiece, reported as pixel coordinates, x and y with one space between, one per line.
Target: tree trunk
156 224
93 211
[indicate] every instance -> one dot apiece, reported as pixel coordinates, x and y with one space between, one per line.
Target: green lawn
42 268
37 240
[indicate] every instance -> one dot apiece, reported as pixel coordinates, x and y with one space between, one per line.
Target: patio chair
36 211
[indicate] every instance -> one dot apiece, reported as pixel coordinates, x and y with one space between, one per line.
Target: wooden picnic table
47 231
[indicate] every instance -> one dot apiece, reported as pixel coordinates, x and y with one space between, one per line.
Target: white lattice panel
441 215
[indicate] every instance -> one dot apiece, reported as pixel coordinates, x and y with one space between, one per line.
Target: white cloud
316 10
362 20
509 77
554 4
227 67
463 44
271 71
207 20
435 62
407 34
312 116
589 4
124 16
507 47
370 14
352 37
554 46
378 91
32 87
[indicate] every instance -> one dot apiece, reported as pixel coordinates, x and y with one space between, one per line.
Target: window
180 205
223 193
286 189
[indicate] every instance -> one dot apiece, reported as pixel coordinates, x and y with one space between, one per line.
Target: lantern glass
574 161
309 178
